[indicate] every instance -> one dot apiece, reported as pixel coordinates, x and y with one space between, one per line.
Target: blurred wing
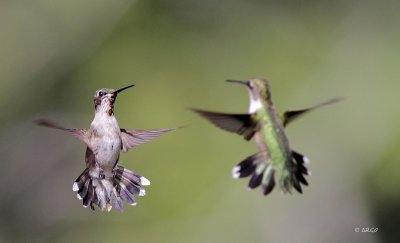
242 124
290 116
81 134
133 138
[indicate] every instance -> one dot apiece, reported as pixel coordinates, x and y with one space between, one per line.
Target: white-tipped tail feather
109 207
262 173
75 187
144 181
111 192
142 192
236 172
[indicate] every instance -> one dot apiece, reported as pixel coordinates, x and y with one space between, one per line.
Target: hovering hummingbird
104 182
274 162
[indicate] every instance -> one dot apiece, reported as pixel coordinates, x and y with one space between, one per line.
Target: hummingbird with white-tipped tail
275 162
104 182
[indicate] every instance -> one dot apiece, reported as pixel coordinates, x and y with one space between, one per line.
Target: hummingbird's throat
105 105
110 110
255 104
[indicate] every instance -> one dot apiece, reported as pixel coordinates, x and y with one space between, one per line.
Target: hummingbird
275 162
104 182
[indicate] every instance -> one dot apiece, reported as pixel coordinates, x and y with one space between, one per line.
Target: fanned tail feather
259 169
299 171
108 193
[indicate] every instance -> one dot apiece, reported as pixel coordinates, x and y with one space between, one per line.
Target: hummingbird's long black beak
123 88
237 81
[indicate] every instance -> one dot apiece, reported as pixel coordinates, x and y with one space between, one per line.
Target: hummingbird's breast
106 141
273 136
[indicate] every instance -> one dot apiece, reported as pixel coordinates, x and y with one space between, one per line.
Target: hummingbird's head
104 99
258 88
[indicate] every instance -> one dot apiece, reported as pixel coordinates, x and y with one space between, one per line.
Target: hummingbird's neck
257 101
255 104
105 109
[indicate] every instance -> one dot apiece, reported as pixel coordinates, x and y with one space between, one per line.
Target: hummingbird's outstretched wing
132 138
290 116
242 124
79 133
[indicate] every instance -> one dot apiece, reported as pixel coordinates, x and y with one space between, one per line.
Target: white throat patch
255 105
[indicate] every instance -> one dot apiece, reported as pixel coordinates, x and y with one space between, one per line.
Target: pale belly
106 141
107 152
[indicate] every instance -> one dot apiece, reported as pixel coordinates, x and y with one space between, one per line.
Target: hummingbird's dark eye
101 93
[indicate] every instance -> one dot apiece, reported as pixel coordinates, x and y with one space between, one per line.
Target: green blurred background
55 54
